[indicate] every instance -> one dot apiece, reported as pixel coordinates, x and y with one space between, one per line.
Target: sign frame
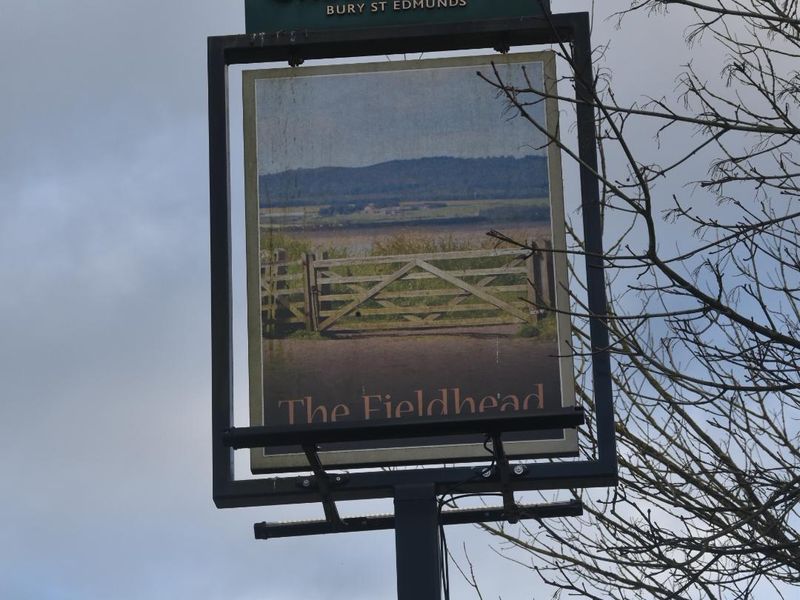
600 470
563 443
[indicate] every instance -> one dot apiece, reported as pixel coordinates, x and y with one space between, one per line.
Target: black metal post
221 278
593 239
416 536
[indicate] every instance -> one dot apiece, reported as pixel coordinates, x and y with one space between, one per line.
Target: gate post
324 290
310 293
534 273
278 270
550 259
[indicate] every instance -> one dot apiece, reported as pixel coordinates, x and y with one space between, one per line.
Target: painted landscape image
381 296
412 192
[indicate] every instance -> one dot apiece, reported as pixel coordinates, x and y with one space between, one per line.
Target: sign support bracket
417 520
504 472
269 531
323 485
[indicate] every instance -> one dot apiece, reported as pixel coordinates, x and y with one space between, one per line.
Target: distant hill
422 179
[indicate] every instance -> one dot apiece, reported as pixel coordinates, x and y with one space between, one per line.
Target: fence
414 291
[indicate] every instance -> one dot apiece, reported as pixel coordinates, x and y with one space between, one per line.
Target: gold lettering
404 408
387 403
336 413
510 401
310 414
487 402
442 402
367 405
469 400
539 396
291 407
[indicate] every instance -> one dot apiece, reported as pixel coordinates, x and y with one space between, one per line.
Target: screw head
487 472
519 469
306 482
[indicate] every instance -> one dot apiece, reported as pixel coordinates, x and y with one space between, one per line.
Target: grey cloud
104 332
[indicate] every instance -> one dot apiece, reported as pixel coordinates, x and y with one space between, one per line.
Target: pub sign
374 293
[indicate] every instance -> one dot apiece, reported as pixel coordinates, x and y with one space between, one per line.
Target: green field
423 213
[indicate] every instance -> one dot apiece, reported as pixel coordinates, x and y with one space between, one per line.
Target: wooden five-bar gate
468 288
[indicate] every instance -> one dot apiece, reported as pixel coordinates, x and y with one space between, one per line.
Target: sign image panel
374 292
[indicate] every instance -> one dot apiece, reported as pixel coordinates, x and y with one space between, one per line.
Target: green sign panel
277 15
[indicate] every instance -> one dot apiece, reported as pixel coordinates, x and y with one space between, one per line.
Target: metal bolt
487 473
306 483
519 469
338 479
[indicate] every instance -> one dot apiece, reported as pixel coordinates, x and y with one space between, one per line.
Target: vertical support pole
221 277
593 240
416 517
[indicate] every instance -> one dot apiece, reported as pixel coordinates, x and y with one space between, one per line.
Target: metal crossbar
268 531
343 431
334 523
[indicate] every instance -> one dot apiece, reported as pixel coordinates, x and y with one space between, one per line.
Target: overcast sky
360 119
104 319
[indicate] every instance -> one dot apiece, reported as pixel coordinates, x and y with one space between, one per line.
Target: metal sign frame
295 47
